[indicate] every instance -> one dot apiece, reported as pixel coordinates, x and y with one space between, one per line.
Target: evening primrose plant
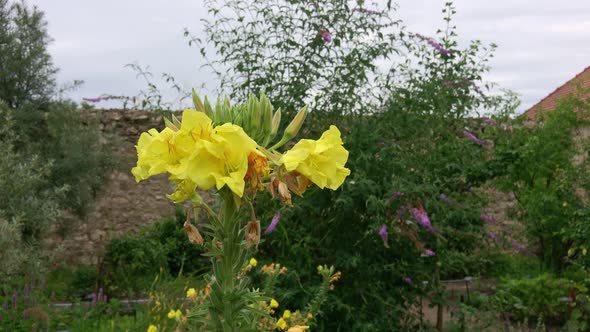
229 150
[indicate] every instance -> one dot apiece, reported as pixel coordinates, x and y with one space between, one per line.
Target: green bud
293 128
227 111
197 102
169 124
209 109
218 112
296 124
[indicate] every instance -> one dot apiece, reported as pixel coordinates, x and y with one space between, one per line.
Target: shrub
131 262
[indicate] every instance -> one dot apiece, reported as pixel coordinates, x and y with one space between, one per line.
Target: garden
348 174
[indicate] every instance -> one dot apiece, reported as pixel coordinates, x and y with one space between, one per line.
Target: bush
131 262
26 199
539 298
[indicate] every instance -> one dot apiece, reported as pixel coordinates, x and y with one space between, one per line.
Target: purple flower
14 296
518 246
366 11
383 234
487 219
273 224
438 46
408 280
326 36
395 196
492 236
488 120
93 100
429 253
422 219
444 198
472 137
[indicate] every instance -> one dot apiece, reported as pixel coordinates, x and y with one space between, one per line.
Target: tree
27 73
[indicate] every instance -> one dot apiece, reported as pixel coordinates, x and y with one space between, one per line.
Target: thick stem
226 267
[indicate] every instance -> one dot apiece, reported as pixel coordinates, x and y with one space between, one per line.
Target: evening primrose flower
152 328
191 293
281 324
274 303
287 314
253 262
171 314
321 161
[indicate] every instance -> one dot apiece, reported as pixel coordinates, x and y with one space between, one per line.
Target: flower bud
208 109
293 128
197 102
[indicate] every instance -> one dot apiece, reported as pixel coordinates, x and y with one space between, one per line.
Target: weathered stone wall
123 206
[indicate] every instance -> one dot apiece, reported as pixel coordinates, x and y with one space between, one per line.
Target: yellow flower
191 293
274 303
321 161
178 314
152 328
281 324
155 152
171 314
286 314
218 159
298 328
253 262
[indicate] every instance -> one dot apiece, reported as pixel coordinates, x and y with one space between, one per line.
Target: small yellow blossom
281 324
321 161
171 314
191 293
178 314
152 328
274 303
286 314
253 262
298 328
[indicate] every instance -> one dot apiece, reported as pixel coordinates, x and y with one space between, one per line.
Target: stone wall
123 206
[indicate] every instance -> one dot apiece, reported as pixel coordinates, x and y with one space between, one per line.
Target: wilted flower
273 224
383 234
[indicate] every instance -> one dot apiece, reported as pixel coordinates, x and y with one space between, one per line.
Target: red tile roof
570 87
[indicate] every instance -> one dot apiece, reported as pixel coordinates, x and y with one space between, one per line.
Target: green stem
225 297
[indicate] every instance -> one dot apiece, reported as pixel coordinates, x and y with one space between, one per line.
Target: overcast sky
541 43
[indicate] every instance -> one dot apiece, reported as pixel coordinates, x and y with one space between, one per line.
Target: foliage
540 299
538 164
27 73
26 198
321 53
131 262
